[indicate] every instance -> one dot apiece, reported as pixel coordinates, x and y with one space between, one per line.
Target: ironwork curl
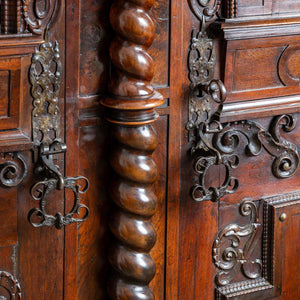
40 191
13 169
45 77
285 153
214 143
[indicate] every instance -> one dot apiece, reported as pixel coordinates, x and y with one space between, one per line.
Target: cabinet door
239 202
36 258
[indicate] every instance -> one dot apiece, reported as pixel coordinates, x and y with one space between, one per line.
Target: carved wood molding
237 258
40 14
9 287
131 111
23 16
230 258
287 72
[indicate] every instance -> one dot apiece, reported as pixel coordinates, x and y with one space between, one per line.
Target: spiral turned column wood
131 110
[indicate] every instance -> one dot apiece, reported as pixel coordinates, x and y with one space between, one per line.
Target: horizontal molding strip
260 108
242 30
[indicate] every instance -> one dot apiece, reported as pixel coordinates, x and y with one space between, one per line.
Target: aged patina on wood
240 245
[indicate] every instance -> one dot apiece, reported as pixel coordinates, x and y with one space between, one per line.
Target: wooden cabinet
183 116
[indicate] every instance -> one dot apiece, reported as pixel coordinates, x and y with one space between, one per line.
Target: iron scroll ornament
214 143
45 77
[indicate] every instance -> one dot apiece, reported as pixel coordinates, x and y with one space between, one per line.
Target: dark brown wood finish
131 112
125 54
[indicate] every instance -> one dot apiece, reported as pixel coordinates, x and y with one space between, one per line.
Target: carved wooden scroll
131 111
27 16
40 14
10 287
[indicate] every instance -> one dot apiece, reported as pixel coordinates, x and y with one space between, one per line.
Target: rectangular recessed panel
286 6
4 93
251 65
10 93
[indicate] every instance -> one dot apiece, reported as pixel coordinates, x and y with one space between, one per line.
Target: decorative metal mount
215 143
10 288
236 258
45 77
205 106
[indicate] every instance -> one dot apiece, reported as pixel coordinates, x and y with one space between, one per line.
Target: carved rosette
10 288
131 110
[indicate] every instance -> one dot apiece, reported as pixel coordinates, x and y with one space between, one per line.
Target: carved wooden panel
253 260
286 6
281 244
251 59
244 8
10 96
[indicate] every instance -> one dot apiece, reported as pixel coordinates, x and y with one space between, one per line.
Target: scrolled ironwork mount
45 77
215 143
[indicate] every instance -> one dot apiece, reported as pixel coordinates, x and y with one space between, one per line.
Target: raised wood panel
262 68
245 8
282 229
286 6
11 96
250 65
254 7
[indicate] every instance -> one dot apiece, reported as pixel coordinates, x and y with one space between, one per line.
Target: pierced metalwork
10 288
40 191
45 78
232 259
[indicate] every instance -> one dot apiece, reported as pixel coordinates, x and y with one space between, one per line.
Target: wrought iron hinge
215 143
45 77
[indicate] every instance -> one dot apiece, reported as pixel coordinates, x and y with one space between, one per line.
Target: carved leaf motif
234 258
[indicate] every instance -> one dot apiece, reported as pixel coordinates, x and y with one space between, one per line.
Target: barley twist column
131 110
